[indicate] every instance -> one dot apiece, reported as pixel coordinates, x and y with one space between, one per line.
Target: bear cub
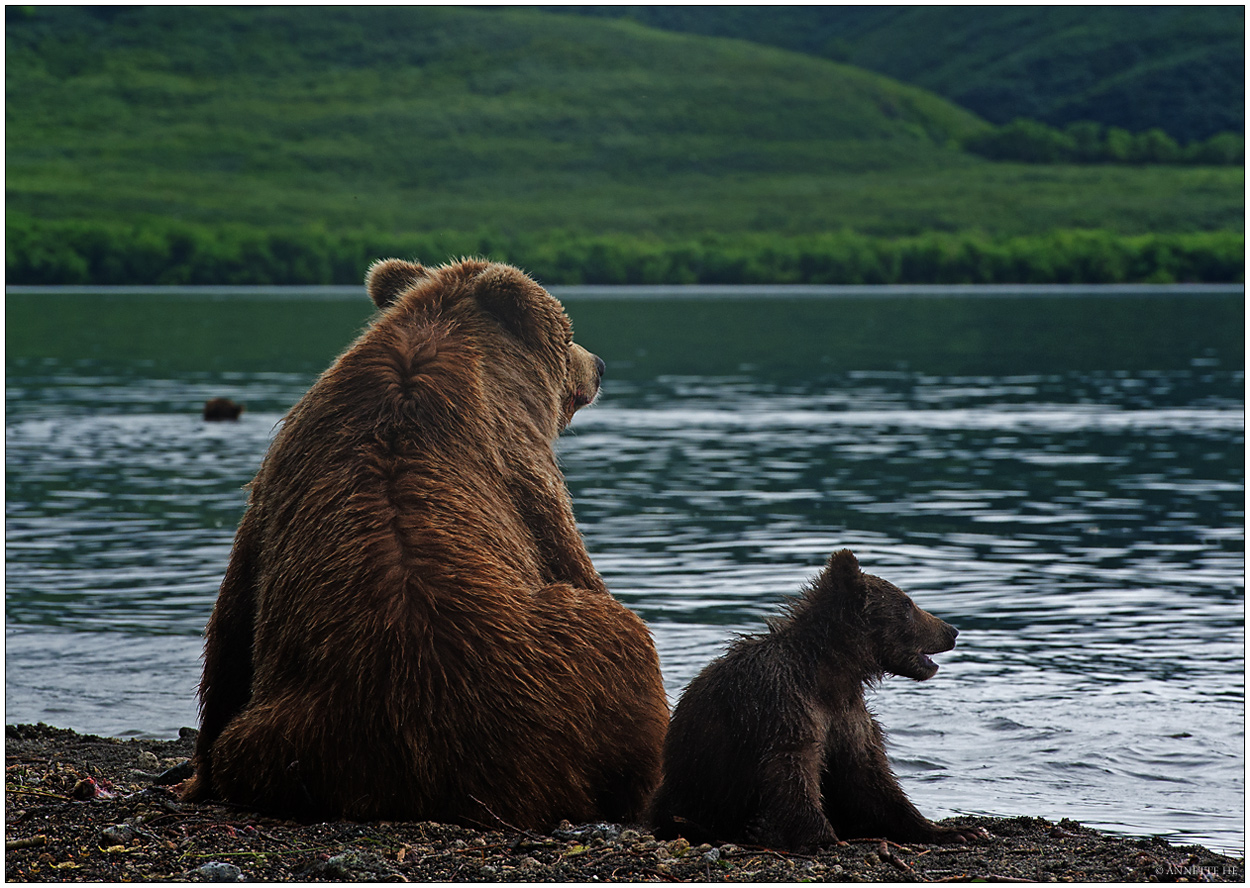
772 744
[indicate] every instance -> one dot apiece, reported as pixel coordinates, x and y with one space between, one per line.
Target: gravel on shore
85 808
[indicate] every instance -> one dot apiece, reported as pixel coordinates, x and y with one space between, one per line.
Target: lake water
1059 473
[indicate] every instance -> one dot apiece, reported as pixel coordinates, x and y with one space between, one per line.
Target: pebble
340 866
148 761
585 834
215 871
117 834
85 789
609 832
678 848
175 774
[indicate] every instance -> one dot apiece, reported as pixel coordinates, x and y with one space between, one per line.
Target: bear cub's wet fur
772 743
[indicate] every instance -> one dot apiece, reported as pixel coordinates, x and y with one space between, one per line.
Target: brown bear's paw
194 789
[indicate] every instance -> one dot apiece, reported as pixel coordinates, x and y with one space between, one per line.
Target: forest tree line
1090 142
174 253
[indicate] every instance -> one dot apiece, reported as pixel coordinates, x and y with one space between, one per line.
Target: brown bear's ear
520 306
843 579
388 279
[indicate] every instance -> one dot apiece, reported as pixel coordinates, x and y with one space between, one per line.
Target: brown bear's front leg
790 815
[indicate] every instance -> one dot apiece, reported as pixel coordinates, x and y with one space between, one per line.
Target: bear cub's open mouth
927 663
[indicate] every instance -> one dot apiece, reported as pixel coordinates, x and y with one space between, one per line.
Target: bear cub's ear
843 580
388 279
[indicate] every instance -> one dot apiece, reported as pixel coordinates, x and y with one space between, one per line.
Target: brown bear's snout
585 373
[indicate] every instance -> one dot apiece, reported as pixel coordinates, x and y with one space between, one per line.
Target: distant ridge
1179 68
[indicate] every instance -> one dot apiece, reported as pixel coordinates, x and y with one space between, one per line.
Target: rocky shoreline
84 808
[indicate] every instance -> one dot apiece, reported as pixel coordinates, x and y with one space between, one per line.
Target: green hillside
167 144
1178 68
249 115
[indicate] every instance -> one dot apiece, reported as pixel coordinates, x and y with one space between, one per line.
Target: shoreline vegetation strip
163 253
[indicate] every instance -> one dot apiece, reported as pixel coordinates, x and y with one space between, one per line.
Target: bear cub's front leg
790 813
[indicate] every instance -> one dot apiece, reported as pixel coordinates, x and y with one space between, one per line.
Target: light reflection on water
1082 528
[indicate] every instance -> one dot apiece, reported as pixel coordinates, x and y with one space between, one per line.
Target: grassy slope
431 118
1180 68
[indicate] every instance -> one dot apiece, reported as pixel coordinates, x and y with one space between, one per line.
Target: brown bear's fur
772 744
410 626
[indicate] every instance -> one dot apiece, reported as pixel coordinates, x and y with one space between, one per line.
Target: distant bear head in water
217 409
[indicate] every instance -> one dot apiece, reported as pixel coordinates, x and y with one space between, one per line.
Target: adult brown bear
410 626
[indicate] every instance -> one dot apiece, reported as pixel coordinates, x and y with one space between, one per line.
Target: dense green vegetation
1177 68
182 253
252 144
1089 142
